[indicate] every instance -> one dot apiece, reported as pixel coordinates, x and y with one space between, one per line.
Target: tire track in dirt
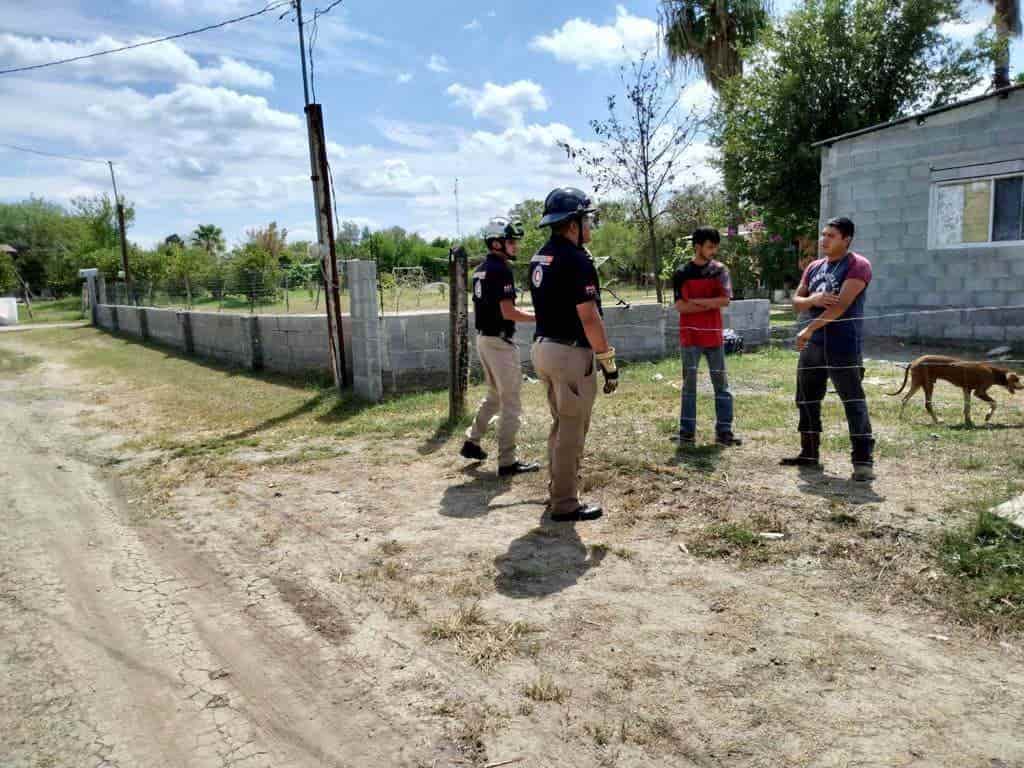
121 648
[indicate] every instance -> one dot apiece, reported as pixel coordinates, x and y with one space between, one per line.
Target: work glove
611 372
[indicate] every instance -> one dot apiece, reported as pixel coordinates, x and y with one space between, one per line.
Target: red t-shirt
709 281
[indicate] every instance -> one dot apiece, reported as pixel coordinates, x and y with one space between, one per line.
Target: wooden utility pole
458 336
320 176
124 237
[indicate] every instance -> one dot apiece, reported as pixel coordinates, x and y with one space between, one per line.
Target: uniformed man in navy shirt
495 312
570 343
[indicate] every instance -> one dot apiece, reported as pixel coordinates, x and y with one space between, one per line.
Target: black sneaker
519 468
728 439
473 451
683 439
582 513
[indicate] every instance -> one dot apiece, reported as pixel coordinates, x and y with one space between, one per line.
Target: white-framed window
978 212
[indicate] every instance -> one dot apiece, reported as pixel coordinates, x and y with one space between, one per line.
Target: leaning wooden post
458 336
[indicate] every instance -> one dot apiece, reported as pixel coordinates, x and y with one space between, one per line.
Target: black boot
810 450
472 451
863 459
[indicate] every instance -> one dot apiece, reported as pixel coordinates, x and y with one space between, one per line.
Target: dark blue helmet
565 203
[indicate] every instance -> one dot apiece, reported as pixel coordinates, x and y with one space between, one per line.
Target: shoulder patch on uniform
537 275
591 290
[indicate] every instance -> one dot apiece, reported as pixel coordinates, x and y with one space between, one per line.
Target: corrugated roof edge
1001 93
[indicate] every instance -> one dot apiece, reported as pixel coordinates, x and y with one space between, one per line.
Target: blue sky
209 129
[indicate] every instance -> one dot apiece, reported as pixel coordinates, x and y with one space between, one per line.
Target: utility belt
563 342
502 336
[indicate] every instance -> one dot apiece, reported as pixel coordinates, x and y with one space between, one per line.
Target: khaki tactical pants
570 375
504 377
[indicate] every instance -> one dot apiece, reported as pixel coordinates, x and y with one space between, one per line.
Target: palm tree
1008 24
210 238
708 35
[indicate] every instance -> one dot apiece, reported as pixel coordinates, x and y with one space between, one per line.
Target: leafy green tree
641 152
190 267
210 238
711 35
831 67
8 275
254 272
1007 20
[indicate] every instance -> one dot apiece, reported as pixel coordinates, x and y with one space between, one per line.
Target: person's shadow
474 498
544 561
819 483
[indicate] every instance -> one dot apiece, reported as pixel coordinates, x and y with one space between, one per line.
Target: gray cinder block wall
398 353
883 180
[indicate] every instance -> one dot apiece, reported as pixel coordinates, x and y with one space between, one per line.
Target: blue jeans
723 397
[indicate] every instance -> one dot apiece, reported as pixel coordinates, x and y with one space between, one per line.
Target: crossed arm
692 306
835 306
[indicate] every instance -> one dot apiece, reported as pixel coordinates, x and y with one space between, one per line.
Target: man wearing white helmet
494 308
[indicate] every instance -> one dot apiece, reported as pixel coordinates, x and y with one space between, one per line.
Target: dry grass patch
483 643
544 689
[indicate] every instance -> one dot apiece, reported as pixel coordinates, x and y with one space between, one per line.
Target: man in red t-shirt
702 288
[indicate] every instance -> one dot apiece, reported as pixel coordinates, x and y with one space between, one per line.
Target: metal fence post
458 337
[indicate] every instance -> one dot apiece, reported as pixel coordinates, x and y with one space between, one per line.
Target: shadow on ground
545 561
474 498
819 483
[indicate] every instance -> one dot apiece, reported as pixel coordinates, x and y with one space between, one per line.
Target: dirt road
273 615
119 647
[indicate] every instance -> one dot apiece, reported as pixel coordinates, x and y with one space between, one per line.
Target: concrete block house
938 202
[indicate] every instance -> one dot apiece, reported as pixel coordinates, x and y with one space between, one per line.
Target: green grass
12 362
986 557
203 412
67 310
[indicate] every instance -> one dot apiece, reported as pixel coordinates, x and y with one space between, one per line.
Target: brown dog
969 376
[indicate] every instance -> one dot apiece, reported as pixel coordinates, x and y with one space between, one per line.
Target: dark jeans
719 380
846 371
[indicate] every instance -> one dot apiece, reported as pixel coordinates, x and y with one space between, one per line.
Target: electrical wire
52 154
314 34
133 46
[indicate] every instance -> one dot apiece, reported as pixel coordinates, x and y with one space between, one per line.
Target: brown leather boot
810 449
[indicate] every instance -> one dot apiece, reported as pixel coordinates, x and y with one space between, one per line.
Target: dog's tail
906 375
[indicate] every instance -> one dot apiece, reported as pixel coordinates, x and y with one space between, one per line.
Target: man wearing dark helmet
570 343
495 313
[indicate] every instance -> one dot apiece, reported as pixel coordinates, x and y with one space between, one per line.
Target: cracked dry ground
384 607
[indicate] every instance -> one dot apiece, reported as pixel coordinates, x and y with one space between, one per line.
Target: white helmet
502 228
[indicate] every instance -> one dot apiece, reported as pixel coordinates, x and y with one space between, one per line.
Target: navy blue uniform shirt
492 284
562 276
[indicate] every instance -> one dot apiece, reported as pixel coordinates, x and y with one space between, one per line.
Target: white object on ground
1012 511
8 311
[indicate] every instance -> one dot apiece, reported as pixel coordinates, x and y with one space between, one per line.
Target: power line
54 154
218 25
313 37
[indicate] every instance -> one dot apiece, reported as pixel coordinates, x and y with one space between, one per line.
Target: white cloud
161 62
393 178
587 45
416 135
506 104
437 63
403 78
237 74
474 24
